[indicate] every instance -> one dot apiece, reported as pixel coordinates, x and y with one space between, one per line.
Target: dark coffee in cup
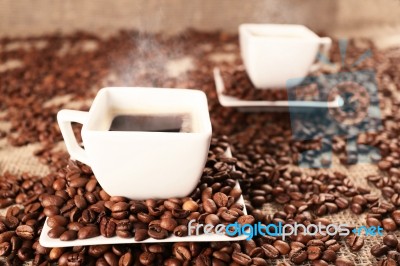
151 123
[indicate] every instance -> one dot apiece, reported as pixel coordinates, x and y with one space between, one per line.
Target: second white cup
273 54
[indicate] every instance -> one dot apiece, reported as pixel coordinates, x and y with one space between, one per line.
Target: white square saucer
46 241
268 106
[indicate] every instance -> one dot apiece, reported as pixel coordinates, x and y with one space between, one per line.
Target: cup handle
65 118
325 47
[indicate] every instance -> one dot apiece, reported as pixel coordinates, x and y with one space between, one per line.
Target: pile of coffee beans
386 214
238 84
389 248
78 208
263 146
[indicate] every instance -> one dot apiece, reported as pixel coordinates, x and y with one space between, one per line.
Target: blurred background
379 20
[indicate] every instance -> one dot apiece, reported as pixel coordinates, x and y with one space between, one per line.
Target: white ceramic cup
140 164
273 54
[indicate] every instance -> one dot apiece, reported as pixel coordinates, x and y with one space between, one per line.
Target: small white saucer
46 241
268 106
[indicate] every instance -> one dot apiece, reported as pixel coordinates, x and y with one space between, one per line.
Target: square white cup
139 164
275 53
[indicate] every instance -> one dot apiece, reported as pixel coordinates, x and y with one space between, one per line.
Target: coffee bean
241 258
78 182
68 235
387 262
282 246
80 202
171 205
259 261
319 263
91 184
57 220
98 250
270 251
172 262
50 200
387 192
25 232
212 219
74 226
141 234
181 253
342 203
181 230
373 222
202 260
316 242
75 259
246 219
220 199
101 262
314 252
107 227
88 216
144 217
168 224
229 215
344 262
180 214
123 225
111 258
5 249
389 224
258 201
56 253
190 205
356 208
63 259
51 211
123 233
298 256
4 203
126 259
294 245
210 206
156 248
206 194
379 250
223 256
396 216
329 255
120 206
303 238
56 231
157 232
395 255
25 253
354 242
88 231
384 165
390 241
11 222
